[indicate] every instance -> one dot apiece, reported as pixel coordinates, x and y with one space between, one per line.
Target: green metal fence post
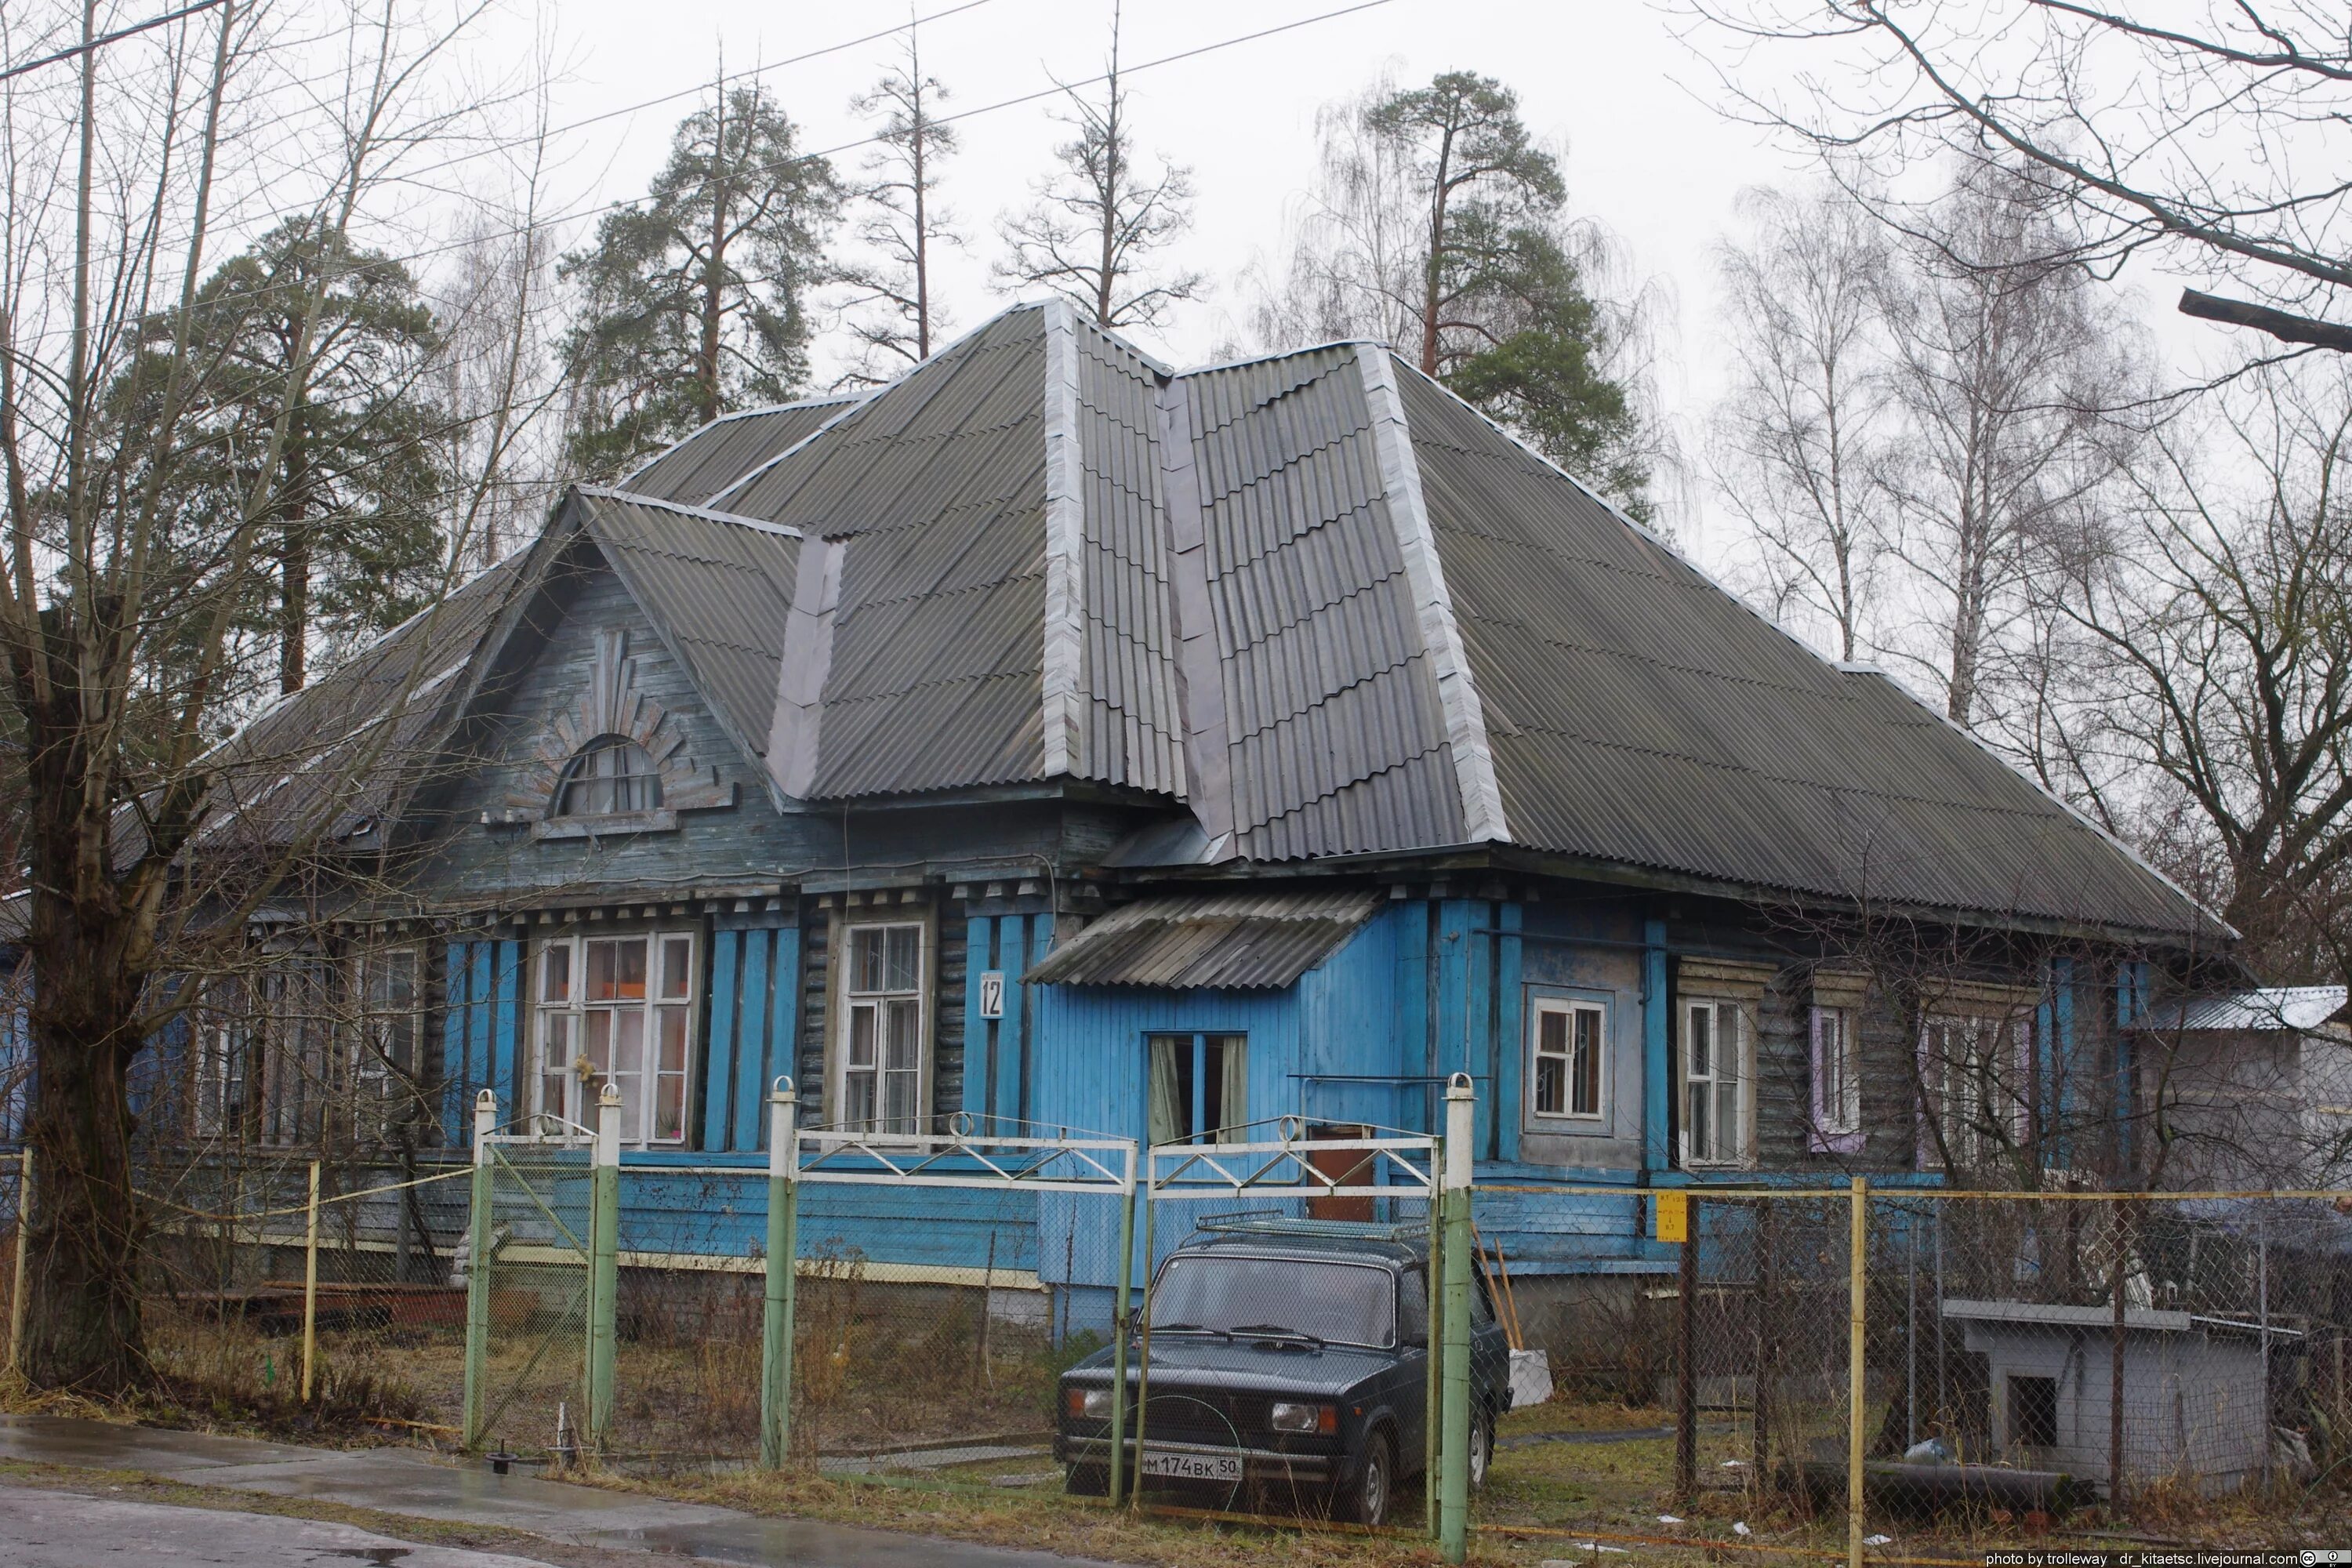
783 1278
1453 1449
1433 1415
1118 1328
603 1266
1143 1367
477 1270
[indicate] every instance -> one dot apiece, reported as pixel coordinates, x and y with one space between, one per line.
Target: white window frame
1940 1070
1231 1044
879 1006
560 1016
1573 1008
1836 1037
1740 1151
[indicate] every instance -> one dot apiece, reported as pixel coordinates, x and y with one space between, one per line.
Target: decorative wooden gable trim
612 705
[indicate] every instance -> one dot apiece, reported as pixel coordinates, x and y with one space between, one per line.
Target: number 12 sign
992 992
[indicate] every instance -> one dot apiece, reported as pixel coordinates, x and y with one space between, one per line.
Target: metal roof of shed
1237 941
2277 1008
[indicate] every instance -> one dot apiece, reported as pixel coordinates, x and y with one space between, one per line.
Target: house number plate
1193 1467
992 992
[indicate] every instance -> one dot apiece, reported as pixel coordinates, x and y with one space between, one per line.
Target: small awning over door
1220 940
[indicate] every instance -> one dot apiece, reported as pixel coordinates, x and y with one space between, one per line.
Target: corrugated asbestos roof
731 446
719 590
2271 1010
344 752
1318 601
1331 725
1639 714
1232 941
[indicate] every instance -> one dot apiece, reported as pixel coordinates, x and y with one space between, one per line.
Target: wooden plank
457 1123
719 1059
1512 1033
750 1036
506 1025
978 1058
781 1056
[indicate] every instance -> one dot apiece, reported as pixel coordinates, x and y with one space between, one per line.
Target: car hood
1259 1366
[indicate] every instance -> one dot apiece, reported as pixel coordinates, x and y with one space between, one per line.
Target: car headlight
1323 1418
1088 1403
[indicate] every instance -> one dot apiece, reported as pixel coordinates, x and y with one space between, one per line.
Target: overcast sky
1649 153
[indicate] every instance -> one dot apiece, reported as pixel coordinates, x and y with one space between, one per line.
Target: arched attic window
611 774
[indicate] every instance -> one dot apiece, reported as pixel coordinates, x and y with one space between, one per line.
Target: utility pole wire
1056 91
102 39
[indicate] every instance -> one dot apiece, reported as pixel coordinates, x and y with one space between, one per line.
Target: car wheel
1086 1480
1482 1451
1366 1499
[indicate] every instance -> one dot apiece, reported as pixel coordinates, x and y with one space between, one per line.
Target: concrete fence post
603 1266
1857 1295
1453 1448
477 1270
310 1285
783 1277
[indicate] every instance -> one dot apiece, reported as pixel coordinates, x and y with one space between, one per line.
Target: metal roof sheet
2277 1008
700 466
720 591
1238 941
1638 713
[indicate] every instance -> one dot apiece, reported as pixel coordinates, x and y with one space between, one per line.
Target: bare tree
2005 370
1802 437
121 608
2209 696
904 221
1092 232
2208 135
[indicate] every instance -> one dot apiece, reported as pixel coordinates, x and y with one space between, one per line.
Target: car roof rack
1275 1223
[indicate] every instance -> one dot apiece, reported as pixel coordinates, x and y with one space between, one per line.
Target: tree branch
2280 324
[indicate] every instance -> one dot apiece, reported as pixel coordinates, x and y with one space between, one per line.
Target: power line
1056 91
99 42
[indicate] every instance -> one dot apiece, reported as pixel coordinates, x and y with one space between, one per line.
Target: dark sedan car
1288 1358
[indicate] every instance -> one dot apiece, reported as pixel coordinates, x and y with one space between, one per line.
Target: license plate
1192 1467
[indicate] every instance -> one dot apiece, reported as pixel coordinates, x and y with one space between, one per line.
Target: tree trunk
294 603
714 275
82 1328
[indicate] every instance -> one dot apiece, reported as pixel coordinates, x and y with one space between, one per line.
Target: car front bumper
1257 1464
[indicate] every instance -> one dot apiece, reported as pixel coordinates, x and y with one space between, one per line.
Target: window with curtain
883 1036
1199 1087
617 1009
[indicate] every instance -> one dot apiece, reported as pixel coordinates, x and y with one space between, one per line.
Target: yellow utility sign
1674 1217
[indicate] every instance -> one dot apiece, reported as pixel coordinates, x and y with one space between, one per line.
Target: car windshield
1340 1303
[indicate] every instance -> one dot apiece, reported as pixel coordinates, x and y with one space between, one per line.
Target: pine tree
1090 234
353 507
895 313
696 300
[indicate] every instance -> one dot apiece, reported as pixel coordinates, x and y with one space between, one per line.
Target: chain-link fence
1991 1366
527 1391
289 1286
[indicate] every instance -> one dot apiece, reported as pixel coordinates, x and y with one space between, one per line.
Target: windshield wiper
1278 1330
1190 1329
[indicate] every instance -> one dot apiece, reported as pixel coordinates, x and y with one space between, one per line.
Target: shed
2194 1406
